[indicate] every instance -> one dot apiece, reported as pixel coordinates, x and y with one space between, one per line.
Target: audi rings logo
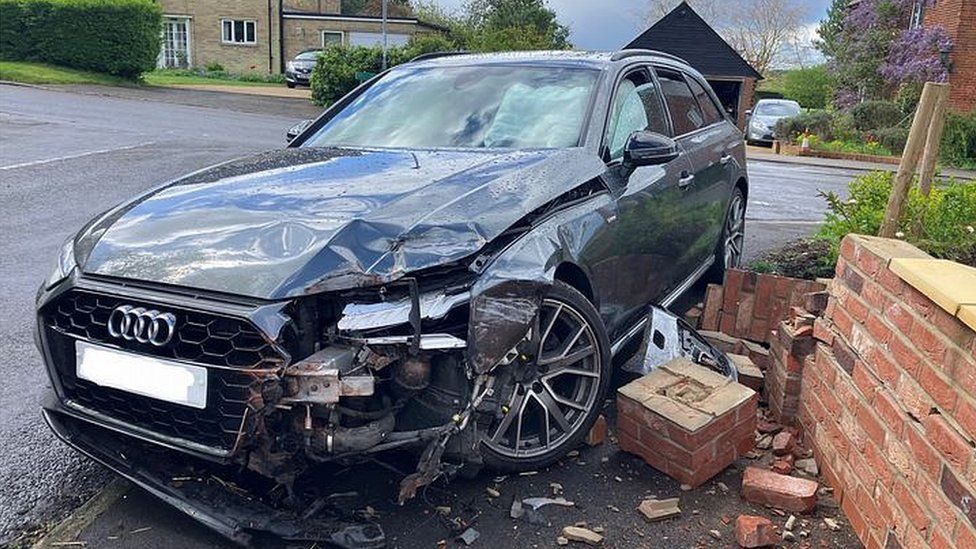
145 326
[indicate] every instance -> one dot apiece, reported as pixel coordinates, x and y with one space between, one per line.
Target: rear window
709 109
308 56
686 115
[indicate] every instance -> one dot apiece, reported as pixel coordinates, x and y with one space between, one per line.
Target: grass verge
40 73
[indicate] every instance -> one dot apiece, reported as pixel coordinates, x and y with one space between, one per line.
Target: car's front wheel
552 400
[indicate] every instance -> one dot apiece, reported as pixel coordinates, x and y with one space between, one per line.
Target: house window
237 31
331 38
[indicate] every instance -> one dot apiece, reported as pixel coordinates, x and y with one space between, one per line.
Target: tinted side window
637 106
686 115
711 112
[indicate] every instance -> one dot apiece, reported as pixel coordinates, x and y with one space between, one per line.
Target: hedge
958 146
119 37
876 115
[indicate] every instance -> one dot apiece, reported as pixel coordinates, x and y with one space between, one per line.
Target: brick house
958 18
261 35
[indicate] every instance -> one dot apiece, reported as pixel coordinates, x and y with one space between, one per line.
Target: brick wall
958 17
887 403
751 305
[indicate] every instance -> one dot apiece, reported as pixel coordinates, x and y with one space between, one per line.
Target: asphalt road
67 155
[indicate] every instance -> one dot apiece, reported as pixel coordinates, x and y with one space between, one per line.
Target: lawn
39 73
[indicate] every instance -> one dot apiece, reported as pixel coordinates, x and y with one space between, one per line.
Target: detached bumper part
241 519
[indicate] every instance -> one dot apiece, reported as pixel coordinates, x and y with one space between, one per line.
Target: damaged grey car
447 261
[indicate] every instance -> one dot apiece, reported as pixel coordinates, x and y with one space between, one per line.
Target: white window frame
342 36
231 40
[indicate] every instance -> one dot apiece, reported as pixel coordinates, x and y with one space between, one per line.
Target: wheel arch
572 274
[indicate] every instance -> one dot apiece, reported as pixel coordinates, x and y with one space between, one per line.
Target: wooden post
909 161
933 139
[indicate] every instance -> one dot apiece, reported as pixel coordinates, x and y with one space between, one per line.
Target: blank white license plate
142 375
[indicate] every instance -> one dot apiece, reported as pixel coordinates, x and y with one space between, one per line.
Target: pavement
265 91
764 154
67 154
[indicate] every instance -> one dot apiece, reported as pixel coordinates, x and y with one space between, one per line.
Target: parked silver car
298 71
765 115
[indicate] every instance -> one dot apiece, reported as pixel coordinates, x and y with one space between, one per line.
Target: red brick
890 412
752 531
872 427
965 535
900 458
914 511
926 458
913 399
879 463
883 367
732 287
864 380
780 491
869 510
891 282
904 354
940 540
952 328
932 498
598 433
853 513
847 251
917 301
929 342
937 388
874 296
843 322
900 317
713 305
878 329
966 416
822 331
947 441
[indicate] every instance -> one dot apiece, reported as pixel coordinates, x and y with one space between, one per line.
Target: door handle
686 179
726 158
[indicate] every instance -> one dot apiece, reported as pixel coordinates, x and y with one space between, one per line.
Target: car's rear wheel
555 398
290 84
729 250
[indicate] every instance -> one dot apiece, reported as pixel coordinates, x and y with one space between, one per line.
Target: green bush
876 115
811 87
948 216
893 139
119 37
958 147
819 123
339 68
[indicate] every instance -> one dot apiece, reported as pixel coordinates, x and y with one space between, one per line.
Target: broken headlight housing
65 264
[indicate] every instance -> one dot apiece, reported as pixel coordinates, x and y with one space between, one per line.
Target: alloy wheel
554 392
735 231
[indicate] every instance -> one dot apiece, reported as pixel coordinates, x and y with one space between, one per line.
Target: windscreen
516 107
778 109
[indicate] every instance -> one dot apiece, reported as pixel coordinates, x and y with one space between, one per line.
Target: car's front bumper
298 78
176 480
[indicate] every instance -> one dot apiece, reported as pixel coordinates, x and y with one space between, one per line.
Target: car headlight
757 125
290 66
66 263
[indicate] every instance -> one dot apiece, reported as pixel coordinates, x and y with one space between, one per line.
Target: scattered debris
832 524
613 508
583 535
492 492
781 491
788 536
469 536
556 488
749 374
655 509
723 487
783 443
685 487
528 473
69 543
808 466
141 530
752 454
598 433
598 529
764 442
752 531
768 427
790 522
561 541
783 465
536 503
715 534
516 510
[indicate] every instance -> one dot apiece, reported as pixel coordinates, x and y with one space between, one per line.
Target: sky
610 24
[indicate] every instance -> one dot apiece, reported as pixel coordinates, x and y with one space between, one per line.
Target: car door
704 136
643 252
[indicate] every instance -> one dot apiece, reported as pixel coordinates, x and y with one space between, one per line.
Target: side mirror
749 112
296 130
646 148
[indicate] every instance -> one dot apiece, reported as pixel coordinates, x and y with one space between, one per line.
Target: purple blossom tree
914 56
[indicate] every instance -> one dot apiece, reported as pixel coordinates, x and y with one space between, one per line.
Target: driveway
68 155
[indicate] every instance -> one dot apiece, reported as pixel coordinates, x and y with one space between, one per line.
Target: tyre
728 250
290 84
554 398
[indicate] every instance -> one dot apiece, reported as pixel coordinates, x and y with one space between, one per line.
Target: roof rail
436 55
635 52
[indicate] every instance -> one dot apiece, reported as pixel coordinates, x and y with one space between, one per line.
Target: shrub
947 216
958 147
818 123
893 139
876 115
120 37
810 87
214 66
338 68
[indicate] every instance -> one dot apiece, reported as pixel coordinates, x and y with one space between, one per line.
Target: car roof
777 101
567 58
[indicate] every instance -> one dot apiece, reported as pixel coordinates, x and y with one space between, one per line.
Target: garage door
376 39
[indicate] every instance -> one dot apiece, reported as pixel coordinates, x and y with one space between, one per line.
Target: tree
831 27
810 87
500 17
760 30
876 51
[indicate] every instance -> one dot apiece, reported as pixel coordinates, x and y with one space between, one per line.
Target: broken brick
659 509
598 433
783 465
783 443
781 491
752 531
